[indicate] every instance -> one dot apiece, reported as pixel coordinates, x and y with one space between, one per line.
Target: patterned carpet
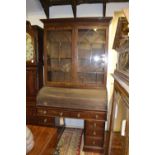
70 142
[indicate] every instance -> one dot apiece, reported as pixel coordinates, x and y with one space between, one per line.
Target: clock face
29 48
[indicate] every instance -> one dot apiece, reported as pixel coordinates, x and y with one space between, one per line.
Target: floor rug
70 142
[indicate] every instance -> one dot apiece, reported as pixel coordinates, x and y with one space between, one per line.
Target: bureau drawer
89 115
91 125
47 121
95 133
91 141
31 119
30 111
31 103
52 112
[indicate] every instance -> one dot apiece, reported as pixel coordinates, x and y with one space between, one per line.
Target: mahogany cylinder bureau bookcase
119 125
34 71
75 72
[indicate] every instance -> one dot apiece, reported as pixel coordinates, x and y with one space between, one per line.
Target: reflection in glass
59 55
91 55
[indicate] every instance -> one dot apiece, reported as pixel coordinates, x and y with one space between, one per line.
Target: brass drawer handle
45 120
94 133
94 125
44 112
93 142
78 115
61 113
45 103
96 116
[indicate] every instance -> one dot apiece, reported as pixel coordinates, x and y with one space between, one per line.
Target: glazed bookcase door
75 53
91 56
59 55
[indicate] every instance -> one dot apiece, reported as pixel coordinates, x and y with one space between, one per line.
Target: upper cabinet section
121 45
75 52
91 55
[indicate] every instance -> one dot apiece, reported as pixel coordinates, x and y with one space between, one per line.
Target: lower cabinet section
94 136
94 123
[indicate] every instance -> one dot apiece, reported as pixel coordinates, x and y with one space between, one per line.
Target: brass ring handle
96 116
45 103
78 115
94 133
45 120
61 113
94 125
44 112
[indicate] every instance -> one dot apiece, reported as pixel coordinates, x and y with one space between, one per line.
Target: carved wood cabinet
119 125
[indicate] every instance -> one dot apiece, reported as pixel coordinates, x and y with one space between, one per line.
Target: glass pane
59 55
91 56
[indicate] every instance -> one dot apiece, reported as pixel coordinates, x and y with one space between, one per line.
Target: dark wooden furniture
87 104
119 125
75 71
34 70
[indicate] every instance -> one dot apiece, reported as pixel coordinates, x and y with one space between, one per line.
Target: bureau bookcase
75 72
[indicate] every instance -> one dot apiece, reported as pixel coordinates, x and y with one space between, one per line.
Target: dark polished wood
80 45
